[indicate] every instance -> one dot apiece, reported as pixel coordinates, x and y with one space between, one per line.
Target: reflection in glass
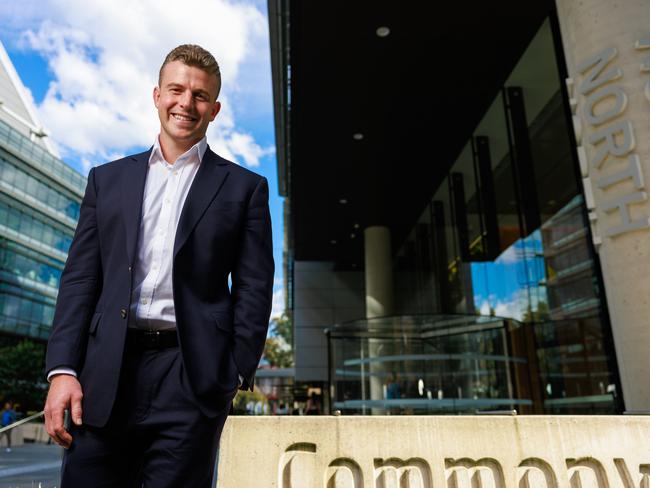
508 237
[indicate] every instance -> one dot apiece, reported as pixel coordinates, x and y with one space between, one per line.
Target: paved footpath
30 466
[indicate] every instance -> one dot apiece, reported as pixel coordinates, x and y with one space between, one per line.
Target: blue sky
91 67
511 283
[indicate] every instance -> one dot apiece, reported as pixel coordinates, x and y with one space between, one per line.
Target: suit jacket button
123 313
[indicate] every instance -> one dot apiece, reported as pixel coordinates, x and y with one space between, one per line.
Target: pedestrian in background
8 418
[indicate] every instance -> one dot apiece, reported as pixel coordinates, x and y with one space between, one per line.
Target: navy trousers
156 436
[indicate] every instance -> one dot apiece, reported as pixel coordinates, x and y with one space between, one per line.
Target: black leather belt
152 339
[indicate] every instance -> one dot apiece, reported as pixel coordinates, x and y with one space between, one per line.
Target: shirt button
168 200
144 301
129 269
123 313
176 172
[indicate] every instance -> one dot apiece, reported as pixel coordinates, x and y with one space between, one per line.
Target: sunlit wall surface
39 206
506 235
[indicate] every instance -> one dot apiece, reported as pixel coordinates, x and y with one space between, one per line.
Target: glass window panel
42 193
14 219
52 199
11 306
26 226
20 180
32 186
48 314
8 172
25 308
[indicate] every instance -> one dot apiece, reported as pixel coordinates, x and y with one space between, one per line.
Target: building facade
40 197
474 236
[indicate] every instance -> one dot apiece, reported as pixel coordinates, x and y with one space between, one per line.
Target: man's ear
156 96
215 110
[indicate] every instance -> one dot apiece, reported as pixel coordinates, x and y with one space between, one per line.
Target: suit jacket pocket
223 321
94 323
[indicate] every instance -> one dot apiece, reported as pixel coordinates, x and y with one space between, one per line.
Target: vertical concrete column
379 299
607 48
379 272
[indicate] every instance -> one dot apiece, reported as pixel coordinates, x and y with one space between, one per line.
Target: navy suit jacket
224 228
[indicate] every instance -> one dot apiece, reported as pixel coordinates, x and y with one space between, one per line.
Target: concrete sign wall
435 452
607 47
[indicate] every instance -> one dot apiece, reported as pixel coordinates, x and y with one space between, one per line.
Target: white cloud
516 305
510 308
104 56
278 302
521 250
510 255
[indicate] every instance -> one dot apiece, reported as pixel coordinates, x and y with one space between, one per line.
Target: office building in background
40 198
468 227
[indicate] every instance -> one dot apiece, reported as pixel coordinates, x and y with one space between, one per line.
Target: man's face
186 103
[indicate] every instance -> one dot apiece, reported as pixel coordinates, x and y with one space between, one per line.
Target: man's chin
184 136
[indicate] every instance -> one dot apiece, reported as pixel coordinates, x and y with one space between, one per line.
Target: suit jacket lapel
133 179
207 182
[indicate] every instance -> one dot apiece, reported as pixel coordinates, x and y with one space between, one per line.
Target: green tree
541 314
282 326
278 349
244 397
277 353
22 374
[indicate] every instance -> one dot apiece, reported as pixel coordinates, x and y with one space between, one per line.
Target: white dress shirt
165 191
166 188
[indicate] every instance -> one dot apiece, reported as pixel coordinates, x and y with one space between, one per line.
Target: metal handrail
22 421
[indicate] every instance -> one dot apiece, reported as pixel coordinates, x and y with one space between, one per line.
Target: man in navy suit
149 344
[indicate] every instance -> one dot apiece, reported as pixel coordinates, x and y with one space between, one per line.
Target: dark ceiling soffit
279 43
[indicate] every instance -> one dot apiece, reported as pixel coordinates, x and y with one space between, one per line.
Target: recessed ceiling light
383 31
356 226
333 241
343 201
353 235
357 136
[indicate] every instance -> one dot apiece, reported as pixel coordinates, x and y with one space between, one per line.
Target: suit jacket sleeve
79 288
252 285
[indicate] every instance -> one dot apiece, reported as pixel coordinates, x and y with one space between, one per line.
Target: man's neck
171 150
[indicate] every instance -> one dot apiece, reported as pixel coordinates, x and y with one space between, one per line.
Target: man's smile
183 117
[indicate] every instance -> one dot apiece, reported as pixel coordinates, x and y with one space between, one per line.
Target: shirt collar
196 152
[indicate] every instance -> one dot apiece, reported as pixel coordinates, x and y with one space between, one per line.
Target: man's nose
187 99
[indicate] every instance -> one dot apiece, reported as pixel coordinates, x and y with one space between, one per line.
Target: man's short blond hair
193 55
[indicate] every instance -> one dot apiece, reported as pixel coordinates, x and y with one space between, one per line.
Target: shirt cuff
69 371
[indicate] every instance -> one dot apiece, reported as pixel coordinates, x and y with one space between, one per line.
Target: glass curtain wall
506 235
39 207
427 364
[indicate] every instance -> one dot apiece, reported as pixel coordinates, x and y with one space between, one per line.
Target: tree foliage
22 374
277 353
283 327
244 397
278 350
